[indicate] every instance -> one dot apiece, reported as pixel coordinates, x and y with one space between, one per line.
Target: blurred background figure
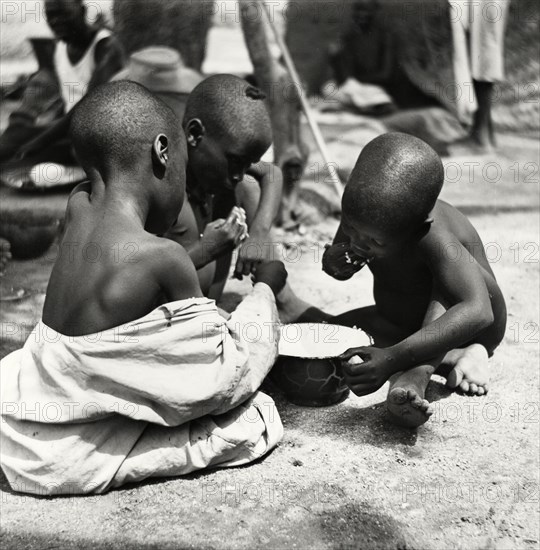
368 53
85 56
162 71
478 31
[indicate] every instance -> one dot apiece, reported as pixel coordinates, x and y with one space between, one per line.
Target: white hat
160 69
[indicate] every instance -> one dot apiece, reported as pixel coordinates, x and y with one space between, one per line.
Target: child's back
111 268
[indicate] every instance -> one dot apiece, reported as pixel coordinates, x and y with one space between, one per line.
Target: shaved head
230 107
394 184
115 124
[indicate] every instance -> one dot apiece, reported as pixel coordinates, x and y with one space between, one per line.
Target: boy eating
438 307
228 130
134 373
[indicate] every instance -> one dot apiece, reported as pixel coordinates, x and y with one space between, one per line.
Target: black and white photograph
269 274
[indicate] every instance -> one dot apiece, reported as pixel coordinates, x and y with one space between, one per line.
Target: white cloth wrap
170 393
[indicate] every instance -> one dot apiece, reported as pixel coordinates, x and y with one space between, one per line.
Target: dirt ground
343 476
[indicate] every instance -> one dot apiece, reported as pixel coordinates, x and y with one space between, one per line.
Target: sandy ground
343 476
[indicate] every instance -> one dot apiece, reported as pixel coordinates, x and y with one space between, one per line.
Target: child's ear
194 132
426 226
160 149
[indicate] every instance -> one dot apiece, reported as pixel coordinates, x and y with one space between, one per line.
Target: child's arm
460 285
257 246
175 272
219 237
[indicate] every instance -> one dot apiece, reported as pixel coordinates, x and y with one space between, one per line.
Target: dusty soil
343 476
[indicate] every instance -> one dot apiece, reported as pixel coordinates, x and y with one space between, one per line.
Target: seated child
438 307
228 129
132 372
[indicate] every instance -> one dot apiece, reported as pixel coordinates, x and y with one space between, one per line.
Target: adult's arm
109 60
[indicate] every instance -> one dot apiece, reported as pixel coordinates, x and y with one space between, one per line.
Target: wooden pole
290 152
336 181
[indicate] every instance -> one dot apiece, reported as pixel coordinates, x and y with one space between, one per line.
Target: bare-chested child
137 179
438 307
158 383
228 130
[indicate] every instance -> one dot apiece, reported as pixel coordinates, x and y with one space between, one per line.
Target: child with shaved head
134 156
228 130
147 378
438 307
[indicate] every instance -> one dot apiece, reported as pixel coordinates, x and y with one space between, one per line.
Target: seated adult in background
85 56
368 53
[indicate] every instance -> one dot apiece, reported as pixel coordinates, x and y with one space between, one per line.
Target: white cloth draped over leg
170 393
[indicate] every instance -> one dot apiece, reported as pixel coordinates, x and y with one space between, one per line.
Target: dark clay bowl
30 235
310 382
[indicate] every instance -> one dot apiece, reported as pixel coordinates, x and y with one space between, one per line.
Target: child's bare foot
405 401
470 369
292 309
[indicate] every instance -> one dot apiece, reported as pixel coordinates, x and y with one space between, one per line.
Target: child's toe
417 401
464 386
454 378
473 388
481 390
397 396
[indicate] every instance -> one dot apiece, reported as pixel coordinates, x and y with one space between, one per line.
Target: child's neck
111 197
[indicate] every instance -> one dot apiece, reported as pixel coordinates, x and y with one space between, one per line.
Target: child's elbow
484 317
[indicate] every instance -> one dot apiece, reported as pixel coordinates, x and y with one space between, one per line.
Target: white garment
167 394
74 79
478 28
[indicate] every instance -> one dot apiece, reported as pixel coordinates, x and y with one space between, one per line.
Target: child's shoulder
166 253
440 232
448 232
172 267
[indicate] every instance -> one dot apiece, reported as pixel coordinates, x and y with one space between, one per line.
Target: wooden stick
336 181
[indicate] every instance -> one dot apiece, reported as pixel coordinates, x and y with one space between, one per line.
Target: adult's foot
470 369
